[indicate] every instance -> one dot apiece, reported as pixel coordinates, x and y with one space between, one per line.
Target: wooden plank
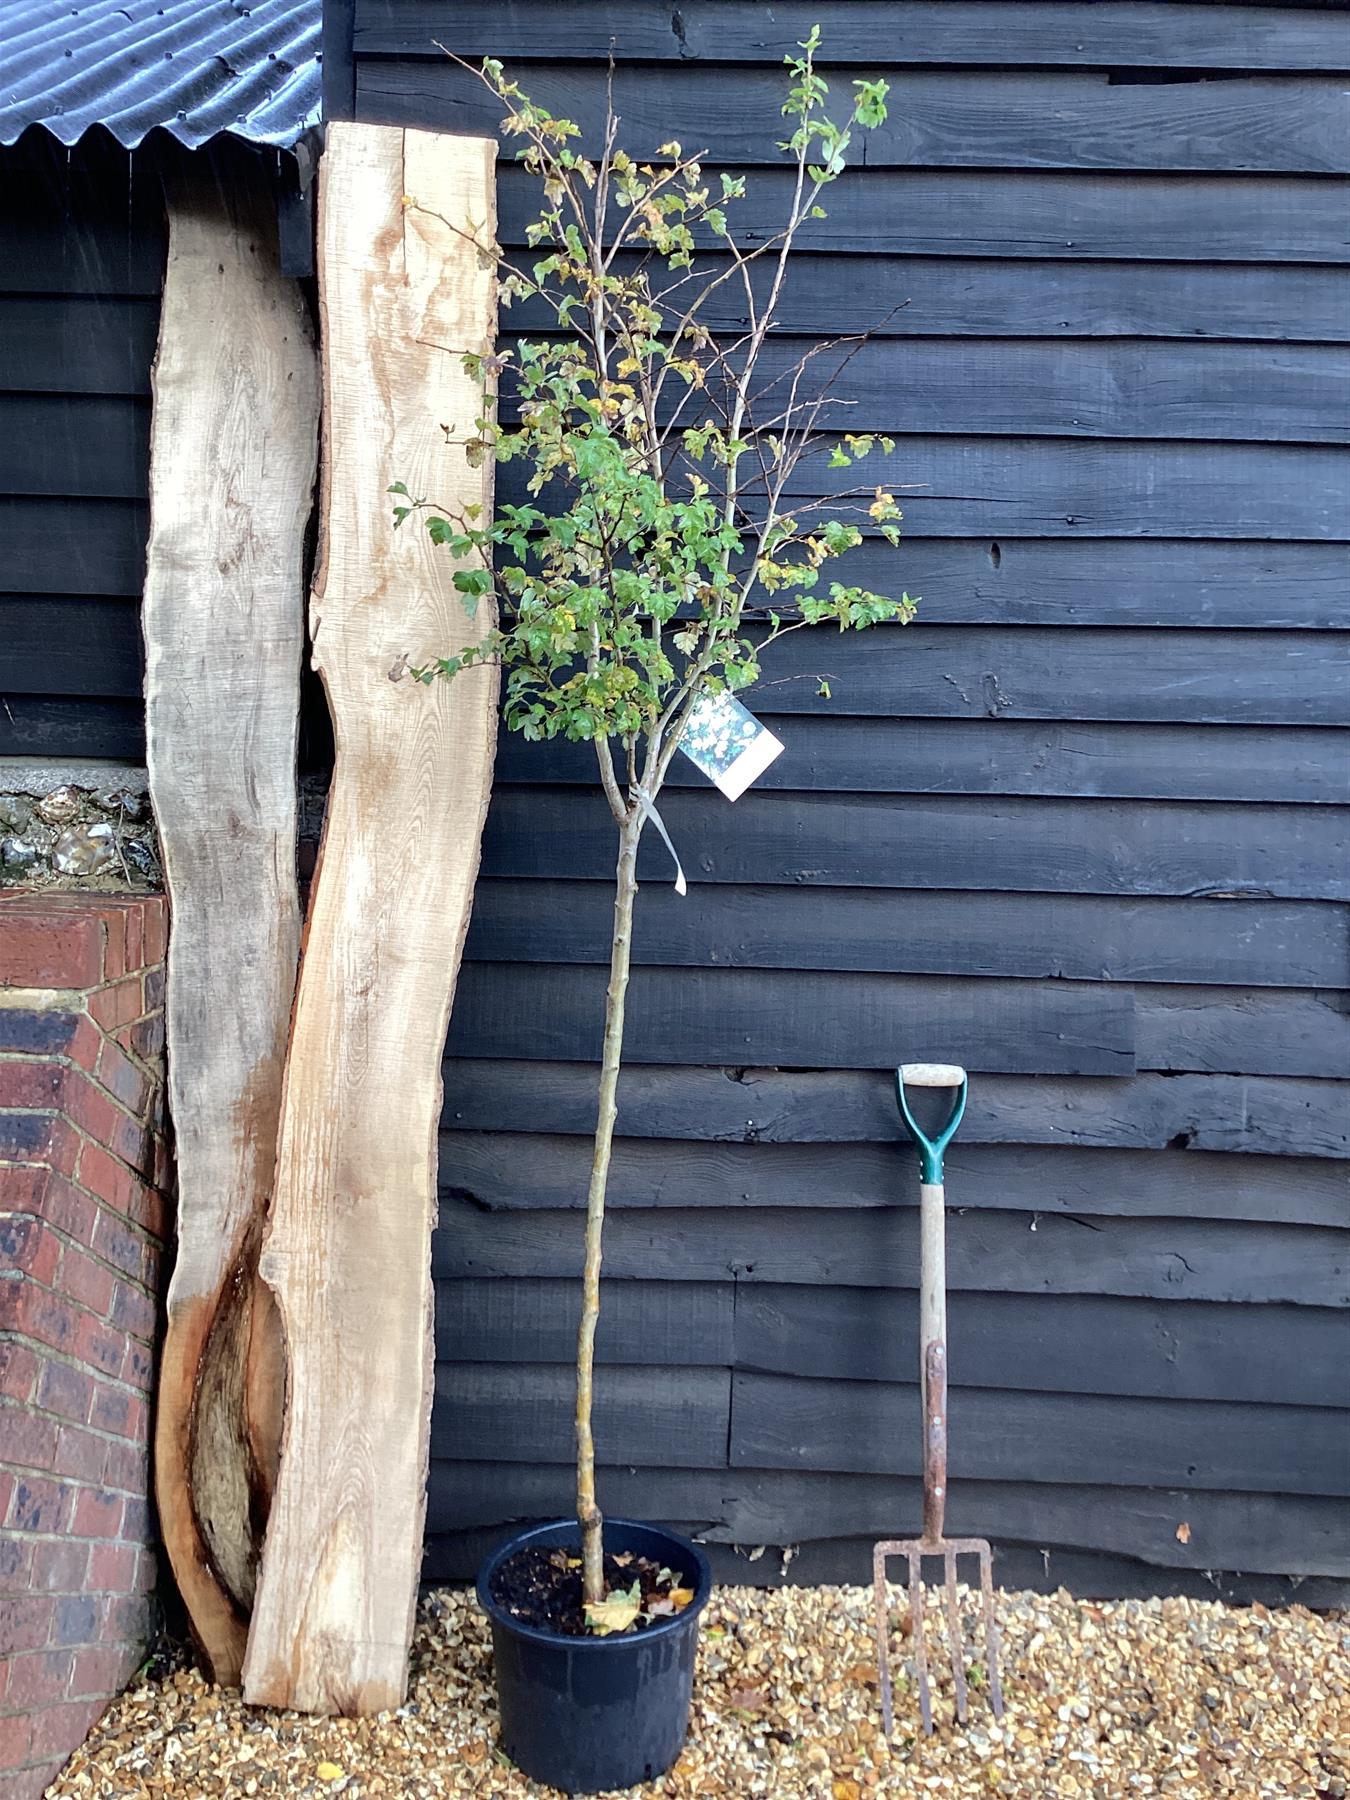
1005 488
999 297
1229 1032
1125 32
990 118
59 644
232 473
1041 1436
543 1011
991 673
93 447
1305 766
33 726
90 223
1258 1115
1131 583
1258 943
505 1170
927 671
781 1422
61 344
971 841
1301 1265
1277 1534
526 1412
66 547
1017 1567
1096 1344
353 1207
1292 393
1006 214
667 1324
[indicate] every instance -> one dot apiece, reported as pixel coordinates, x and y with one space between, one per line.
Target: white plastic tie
648 806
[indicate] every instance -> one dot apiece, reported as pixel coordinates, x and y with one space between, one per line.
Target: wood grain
1258 1115
943 931
503 1170
402 295
1266 1533
1137 33
232 473
1171 1259
864 1427
1007 213
1013 119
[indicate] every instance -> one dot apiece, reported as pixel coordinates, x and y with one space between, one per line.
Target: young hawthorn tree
658 554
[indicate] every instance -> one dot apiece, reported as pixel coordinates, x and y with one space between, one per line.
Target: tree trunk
234 436
403 296
589 1516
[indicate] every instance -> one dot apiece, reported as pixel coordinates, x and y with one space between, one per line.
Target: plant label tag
727 741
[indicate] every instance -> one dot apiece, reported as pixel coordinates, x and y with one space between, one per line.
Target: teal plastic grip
931 1150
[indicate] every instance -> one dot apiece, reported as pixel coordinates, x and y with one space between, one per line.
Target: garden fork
933 1389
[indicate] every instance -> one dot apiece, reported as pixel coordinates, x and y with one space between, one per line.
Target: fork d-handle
932 1278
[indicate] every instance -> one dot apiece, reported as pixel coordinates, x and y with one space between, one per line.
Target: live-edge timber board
403 294
234 444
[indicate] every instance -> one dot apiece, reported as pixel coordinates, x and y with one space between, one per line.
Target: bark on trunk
589 1516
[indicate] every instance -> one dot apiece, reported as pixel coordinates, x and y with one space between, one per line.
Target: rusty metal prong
883 1617
955 1644
990 1629
914 1556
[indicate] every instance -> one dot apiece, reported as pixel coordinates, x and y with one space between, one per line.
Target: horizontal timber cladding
498 1170
1015 119
1169 1349
913 296
556 1013
1276 1534
1150 1258
1049 487
98 344
1249 219
95 447
1097 390
1113 759
525 1413
810 1019
858 1427
1182 36
1037 1567
1225 938
1032 844
67 546
1263 1116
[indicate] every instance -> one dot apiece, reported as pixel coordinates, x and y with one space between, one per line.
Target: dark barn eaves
251 69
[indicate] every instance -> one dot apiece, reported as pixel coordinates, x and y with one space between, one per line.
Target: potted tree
655 557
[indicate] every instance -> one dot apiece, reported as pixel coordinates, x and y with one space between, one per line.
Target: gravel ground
1131 1699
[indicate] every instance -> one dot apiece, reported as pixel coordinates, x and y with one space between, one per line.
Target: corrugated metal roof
195 67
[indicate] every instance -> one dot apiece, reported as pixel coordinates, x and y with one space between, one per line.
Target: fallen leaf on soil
846 1790
327 1771
616 1612
748 1699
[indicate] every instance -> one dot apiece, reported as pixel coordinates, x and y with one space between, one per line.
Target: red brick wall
83 1177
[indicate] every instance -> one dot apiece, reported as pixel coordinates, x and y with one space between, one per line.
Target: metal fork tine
954 1633
879 1597
915 1560
990 1631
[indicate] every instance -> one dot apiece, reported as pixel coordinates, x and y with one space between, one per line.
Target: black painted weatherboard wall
1081 827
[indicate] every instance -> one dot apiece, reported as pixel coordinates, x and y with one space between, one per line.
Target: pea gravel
1132 1698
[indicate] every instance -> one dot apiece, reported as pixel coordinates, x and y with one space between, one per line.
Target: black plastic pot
587 1713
